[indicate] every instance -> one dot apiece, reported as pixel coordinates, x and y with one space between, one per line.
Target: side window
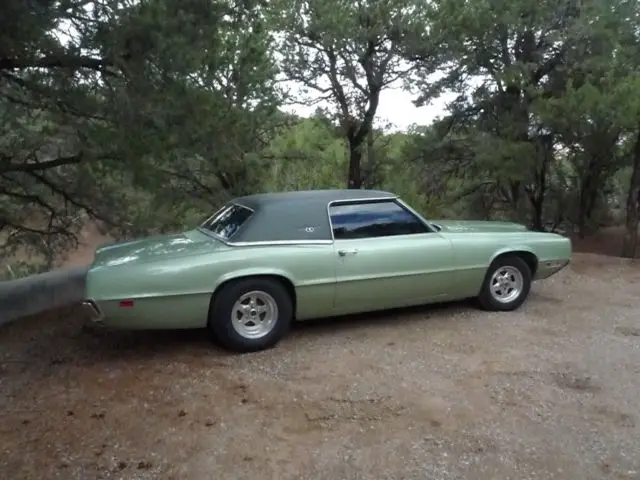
373 219
228 221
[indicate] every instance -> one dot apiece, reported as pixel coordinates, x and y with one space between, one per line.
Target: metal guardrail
42 292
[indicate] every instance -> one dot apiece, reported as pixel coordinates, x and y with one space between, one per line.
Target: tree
594 104
632 207
305 154
539 85
502 53
119 109
346 53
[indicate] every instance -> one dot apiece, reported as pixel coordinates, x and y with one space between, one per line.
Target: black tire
487 299
220 323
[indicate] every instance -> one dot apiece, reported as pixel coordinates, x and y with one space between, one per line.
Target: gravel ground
447 392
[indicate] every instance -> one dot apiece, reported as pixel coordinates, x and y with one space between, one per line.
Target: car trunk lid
159 247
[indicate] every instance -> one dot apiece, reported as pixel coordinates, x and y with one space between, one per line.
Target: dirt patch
336 410
445 392
571 380
549 391
628 331
621 419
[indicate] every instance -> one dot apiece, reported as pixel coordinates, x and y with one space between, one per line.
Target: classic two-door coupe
263 260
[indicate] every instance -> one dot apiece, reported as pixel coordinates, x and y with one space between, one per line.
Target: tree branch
68 198
55 61
335 83
351 74
4 222
192 179
548 66
374 82
6 165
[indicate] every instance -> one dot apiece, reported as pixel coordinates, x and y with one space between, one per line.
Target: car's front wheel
506 284
250 314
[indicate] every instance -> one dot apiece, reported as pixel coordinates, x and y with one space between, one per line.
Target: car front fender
512 249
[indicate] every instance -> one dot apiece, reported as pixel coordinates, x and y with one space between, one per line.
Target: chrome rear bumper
92 311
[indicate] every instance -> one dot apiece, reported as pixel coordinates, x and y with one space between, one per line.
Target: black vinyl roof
297 215
310 196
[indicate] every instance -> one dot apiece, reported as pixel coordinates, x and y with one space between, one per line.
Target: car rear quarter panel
474 252
176 293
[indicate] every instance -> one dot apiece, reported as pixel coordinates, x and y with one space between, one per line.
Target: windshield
227 221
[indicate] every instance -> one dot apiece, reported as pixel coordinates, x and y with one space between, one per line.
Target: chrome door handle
344 253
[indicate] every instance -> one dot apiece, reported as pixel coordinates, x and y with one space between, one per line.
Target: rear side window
373 219
228 221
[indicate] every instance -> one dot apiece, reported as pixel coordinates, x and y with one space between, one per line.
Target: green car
264 260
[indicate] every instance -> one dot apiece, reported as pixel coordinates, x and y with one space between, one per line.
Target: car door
387 257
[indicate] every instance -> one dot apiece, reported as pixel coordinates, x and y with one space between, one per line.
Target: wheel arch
281 277
525 253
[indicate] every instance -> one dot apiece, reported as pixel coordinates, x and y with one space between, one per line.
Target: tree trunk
600 148
355 163
630 242
369 176
537 222
538 194
583 206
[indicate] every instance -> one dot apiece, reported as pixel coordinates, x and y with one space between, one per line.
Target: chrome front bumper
550 267
92 311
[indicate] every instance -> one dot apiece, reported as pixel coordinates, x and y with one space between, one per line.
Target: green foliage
22 268
306 155
554 90
147 115
344 53
132 116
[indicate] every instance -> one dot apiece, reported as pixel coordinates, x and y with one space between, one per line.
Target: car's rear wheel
250 314
506 284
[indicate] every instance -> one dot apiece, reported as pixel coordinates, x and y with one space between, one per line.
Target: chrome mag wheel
506 284
254 314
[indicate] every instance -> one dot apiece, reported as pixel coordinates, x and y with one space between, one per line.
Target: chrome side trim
264 243
268 243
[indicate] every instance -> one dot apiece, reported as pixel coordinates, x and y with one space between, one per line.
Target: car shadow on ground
381 318
66 336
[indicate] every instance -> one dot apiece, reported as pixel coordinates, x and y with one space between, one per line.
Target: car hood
154 248
470 226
